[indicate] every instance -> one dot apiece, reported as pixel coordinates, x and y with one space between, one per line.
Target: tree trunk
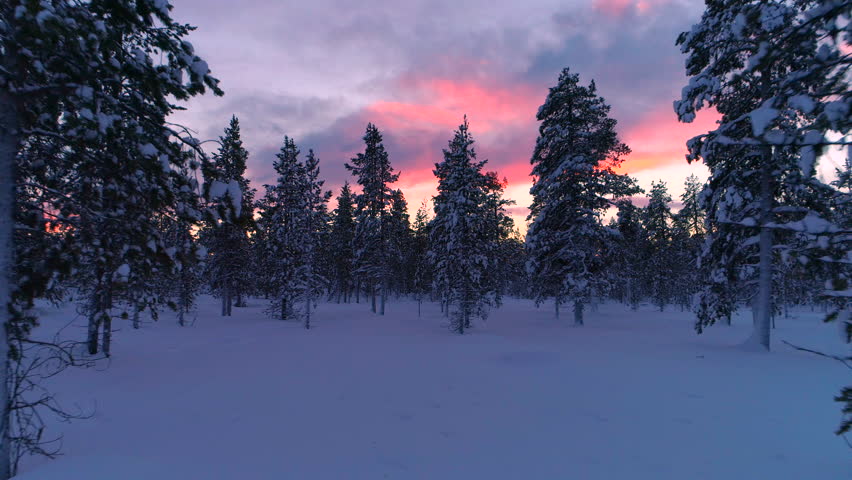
556 307
136 318
8 152
578 312
94 323
107 338
230 301
384 296
283 308
307 311
373 298
224 305
764 303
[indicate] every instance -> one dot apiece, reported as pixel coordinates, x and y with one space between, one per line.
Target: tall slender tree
375 175
227 230
419 255
342 237
574 181
461 247
292 220
658 267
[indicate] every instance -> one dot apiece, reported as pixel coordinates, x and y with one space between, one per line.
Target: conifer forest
597 239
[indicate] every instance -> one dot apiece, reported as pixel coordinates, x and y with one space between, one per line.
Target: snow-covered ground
632 395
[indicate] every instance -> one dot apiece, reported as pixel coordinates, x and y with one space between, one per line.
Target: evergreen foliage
574 183
372 217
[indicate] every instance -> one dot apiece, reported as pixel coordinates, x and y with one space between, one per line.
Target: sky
320 70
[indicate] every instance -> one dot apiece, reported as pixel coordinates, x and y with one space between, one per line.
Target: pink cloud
440 104
617 8
659 138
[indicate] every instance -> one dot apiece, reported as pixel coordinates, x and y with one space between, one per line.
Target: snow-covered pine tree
230 219
776 72
574 182
292 221
688 234
316 230
342 236
628 265
88 75
180 284
691 213
399 244
657 266
375 175
499 230
284 221
460 245
419 255
263 251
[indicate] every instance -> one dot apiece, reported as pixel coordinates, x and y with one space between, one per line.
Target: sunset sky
320 70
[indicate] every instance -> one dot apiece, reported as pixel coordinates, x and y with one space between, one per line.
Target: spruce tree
293 220
461 248
315 233
342 237
499 230
631 243
375 175
419 255
691 213
658 267
226 234
399 244
574 182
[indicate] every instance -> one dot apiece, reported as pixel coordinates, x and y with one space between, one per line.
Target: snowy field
632 395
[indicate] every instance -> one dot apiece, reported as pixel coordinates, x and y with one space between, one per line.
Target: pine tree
460 245
419 255
375 174
226 234
775 71
691 213
315 234
99 80
292 221
574 182
628 265
658 267
499 229
342 237
399 244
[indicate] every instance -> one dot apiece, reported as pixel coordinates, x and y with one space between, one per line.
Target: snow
199 67
837 111
148 150
762 117
802 102
123 271
217 189
162 6
236 196
631 395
